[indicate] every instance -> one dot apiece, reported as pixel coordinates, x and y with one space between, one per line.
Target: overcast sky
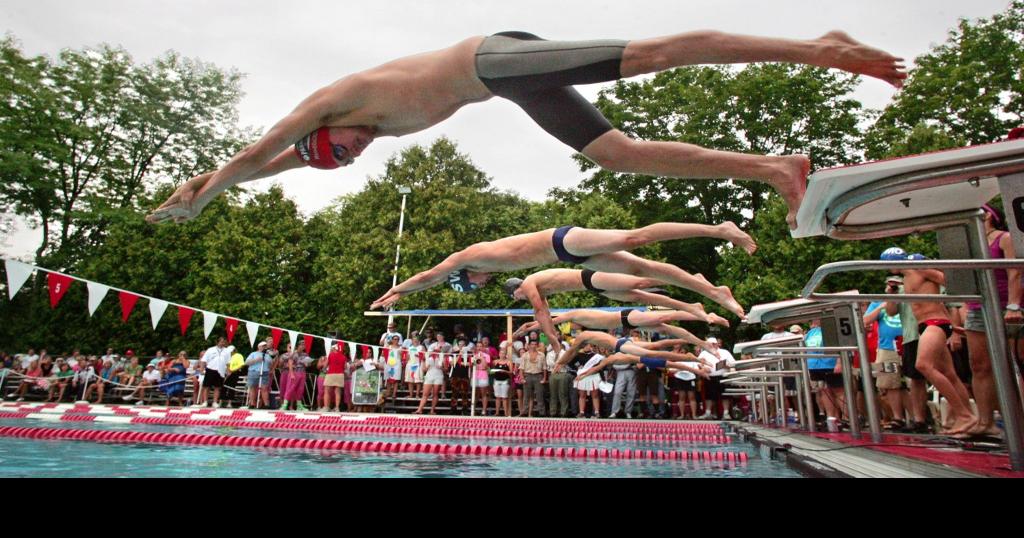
289 49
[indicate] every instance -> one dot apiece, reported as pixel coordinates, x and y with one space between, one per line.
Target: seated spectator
32 373
131 373
8 362
99 382
150 379
60 380
174 379
46 367
84 372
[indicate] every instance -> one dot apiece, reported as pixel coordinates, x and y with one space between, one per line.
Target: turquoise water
43 458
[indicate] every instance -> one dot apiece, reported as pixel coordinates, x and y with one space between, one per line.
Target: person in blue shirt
888 376
826 371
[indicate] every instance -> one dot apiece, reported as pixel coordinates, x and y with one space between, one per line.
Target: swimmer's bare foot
962 425
990 430
837 49
715 319
790 181
736 236
723 296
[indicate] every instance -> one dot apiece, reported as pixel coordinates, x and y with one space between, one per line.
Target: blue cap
893 254
917 257
459 281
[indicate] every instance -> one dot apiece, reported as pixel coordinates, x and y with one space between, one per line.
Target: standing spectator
413 368
413 336
260 366
561 384
647 382
216 366
61 380
433 379
587 385
502 376
236 369
713 386
334 382
174 379
625 384
824 372
481 378
392 332
535 375
888 378
492 352
686 390
778 331
393 367
459 378
293 377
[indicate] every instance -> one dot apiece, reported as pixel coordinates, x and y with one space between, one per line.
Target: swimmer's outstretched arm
686 367
570 353
618 358
542 313
531 325
687 337
422 281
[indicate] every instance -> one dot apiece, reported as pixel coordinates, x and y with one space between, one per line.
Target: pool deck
839 455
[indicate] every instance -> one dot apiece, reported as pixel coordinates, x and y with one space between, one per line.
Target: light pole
404 191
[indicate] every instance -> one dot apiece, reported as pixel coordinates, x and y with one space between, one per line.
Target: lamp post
404 191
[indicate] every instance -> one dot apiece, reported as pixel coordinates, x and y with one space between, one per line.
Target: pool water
45 458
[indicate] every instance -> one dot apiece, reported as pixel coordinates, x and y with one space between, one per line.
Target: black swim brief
624 318
588 281
558 243
652 363
940 323
621 342
538 75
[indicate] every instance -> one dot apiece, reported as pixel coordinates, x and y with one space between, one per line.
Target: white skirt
501 389
588 383
434 377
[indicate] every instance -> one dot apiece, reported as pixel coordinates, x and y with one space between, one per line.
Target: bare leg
835 49
935 363
624 262
587 242
982 383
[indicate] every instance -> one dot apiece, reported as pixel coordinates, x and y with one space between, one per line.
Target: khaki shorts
887 369
334 380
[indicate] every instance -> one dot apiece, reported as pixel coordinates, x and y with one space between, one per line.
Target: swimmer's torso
522 251
409 94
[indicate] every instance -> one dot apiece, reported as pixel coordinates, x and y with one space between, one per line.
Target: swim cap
894 254
315 150
511 285
917 257
459 281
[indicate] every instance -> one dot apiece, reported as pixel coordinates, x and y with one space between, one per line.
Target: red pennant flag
58 285
308 340
128 301
184 318
232 326
275 335
405 355
365 351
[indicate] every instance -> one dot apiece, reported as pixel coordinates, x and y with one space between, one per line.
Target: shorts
213 379
334 380
975 321
646 379
887 370
434 377
538 75
256 381
481 382
501 389
675 383
910 361
713 389
831 379
789 384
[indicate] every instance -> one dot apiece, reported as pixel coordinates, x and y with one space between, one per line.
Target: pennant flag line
231 324
128 301
17 274
96 294
252 328
184 318
156 310
58 285
209 320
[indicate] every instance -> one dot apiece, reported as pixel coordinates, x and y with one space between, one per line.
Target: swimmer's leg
588 242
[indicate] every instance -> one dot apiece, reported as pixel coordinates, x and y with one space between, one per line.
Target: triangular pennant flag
128 301
58 285
231 324
308 340
327 345
184 318
209 320
252 329
365 351
293 338
352 349
275 335
17 274
156 310
97 292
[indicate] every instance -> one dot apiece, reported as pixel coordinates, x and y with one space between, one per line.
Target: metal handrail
819 276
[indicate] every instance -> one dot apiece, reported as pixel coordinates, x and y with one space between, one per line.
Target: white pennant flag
17 274
352 350
156 310
97 292
209 320
293 336
252 329
327 345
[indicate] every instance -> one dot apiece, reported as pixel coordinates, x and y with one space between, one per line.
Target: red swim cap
1015 133
315 150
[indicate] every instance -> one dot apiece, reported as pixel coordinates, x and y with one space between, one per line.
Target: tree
969 89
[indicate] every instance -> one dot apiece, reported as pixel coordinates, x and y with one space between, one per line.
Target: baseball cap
893 254
711 340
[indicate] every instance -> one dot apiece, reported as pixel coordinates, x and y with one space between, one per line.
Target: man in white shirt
713 386
779 331
391 333
216 359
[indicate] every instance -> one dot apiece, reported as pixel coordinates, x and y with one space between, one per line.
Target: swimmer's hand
704 374
386 300
185 204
